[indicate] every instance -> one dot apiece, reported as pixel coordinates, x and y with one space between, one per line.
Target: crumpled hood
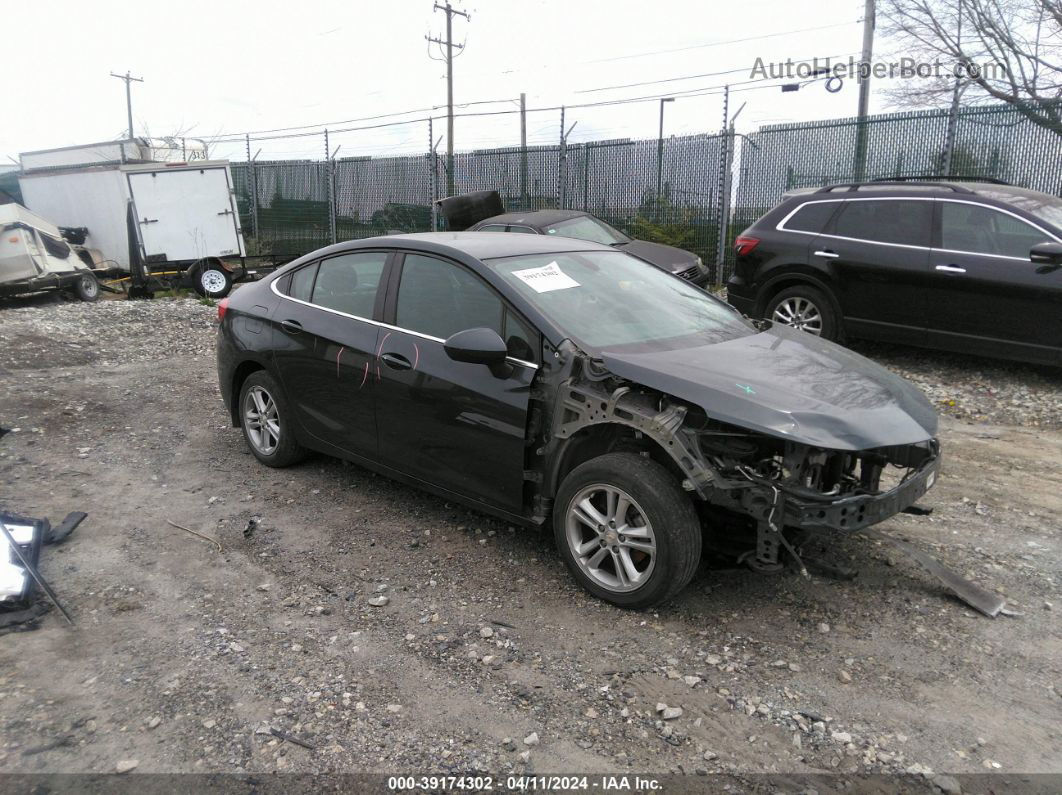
667 257
788 384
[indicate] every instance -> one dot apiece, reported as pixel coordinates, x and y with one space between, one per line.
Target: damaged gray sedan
549 380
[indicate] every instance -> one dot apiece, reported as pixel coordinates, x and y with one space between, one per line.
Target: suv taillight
223 306
744 245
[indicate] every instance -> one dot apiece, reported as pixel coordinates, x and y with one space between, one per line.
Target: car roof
485 245
533 217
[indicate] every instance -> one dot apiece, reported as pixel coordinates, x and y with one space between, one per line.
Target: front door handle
951 269
827 253
396 361
293 326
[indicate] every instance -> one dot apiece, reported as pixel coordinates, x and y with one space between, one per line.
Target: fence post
431 177
330 184
252 187
562 151
724 188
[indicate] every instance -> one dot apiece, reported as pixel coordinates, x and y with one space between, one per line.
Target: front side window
886 221
440 298
348 283
812 217
527 230
608 299
587 228
983 230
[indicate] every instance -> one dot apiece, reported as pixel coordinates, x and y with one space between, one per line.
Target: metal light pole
660 148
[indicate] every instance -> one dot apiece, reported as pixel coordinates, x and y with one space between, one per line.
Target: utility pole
450 47
660 150
864 90
129 79
523 150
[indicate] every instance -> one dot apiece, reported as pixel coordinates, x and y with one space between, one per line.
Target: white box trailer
148 219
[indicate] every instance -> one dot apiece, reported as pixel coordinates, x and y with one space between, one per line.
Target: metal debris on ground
974 595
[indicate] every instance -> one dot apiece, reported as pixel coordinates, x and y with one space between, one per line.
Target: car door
325 340
877 251
452 424
987 296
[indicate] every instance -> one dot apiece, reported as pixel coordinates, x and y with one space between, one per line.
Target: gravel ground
393 632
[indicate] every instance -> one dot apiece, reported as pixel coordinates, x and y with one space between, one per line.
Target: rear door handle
951 269
827 253
293 326
396 362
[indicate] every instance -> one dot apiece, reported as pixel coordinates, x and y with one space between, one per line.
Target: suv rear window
812 217
886 221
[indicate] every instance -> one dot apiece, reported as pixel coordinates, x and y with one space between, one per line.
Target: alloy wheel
610 538
799 313
261 420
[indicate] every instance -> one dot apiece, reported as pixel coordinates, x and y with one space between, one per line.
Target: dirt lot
486 656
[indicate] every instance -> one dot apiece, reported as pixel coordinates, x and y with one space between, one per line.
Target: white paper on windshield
546 279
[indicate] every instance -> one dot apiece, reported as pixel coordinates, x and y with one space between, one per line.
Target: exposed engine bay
777 484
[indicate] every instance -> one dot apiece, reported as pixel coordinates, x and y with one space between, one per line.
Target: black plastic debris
21 540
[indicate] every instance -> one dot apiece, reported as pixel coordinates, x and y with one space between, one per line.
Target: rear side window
492 228
886 221
348 283
302 282
812 217
983 230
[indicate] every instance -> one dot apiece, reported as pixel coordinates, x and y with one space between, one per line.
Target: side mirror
480 346
1046 254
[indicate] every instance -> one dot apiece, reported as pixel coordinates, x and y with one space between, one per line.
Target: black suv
973 266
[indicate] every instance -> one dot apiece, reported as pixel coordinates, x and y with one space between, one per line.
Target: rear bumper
740 296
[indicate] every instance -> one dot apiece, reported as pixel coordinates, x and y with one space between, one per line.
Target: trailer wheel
211 280
87 288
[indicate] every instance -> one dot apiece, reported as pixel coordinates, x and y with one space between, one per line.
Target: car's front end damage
777 484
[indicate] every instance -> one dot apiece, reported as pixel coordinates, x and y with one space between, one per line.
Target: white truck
155 221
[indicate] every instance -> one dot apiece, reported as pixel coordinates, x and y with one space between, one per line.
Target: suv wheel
804 308
627 532
267 422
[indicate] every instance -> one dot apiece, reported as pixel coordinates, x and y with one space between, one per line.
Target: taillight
223 306
744 245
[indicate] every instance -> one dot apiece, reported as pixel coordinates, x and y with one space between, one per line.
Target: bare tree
1001 50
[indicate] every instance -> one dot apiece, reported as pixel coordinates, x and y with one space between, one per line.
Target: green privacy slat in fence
673 198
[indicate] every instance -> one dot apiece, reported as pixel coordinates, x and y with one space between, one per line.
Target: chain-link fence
668 191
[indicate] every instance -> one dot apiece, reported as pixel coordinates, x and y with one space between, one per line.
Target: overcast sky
222 68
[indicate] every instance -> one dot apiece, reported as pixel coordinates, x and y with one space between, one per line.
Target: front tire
267 422
626 530
804 308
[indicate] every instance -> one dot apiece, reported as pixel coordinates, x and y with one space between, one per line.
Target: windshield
606 299
586 227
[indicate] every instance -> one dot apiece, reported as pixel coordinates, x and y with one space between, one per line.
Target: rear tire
267 422
211 280
805 308
86 288
659 552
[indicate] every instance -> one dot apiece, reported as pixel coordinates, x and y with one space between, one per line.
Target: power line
722 43
705 74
